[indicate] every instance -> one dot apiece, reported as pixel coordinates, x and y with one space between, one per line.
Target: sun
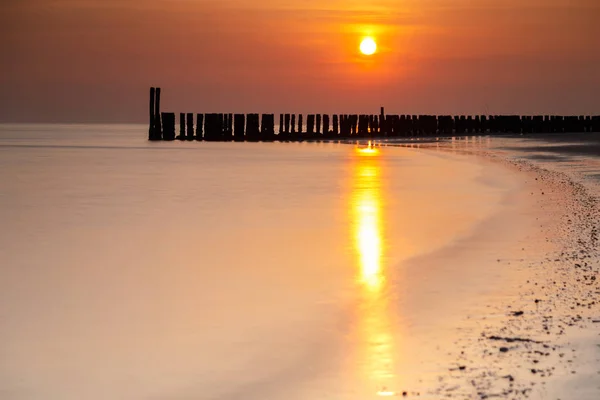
368 46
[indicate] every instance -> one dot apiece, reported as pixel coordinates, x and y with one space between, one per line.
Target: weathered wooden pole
318 125
199 123
252 128
190 127
181 135
157 116
287 124
151 128
267 127
293 124
310 125
239 122
326 125
280 124
383 130
300 127
230 126
336 126
168 120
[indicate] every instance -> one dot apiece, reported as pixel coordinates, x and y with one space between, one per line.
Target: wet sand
544 341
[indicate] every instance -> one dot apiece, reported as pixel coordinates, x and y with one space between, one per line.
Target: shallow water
137 270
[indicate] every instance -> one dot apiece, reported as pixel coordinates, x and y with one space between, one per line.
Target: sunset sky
94 60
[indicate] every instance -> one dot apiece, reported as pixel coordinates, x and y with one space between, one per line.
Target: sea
132 269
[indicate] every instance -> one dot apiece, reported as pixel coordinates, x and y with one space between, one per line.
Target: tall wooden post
199 123
383 129
190 127
151 129
168 120
239 122
181 135
310 125
287 124
336 125
280 124
318 125
157 115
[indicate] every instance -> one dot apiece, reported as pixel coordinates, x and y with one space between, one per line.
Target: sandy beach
543 340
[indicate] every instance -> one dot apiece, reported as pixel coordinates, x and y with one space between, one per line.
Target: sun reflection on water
374 320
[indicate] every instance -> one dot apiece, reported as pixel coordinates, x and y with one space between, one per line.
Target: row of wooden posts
261 127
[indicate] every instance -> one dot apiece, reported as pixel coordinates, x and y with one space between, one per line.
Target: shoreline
534 351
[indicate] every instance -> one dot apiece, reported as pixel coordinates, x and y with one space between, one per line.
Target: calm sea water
137 270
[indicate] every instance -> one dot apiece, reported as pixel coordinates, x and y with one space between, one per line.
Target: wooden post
310 125
168 120
336 126
293 124
318 125
199 123
287 124
239 122
157 116
382 123
267 127
151 128
190 127
280 124
181 126
252 128
300 126
326 125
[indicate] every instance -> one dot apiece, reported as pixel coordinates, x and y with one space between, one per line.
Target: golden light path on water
366 221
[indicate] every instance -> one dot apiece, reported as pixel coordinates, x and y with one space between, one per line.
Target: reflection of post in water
366 219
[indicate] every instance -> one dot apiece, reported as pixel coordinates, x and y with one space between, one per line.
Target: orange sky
93 60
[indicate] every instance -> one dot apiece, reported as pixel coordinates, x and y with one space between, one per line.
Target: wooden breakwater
261 127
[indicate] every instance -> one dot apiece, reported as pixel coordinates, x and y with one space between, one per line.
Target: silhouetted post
252 128
227 134
212 126
267 127
157 116
362 125
300 126
383 129
287 124
326 125
280 124
199 124
310 125
271 126
181 135
412 120
336 125
168 120
588 124
318 125
190 126
293 124
238 129
353 124
151 128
